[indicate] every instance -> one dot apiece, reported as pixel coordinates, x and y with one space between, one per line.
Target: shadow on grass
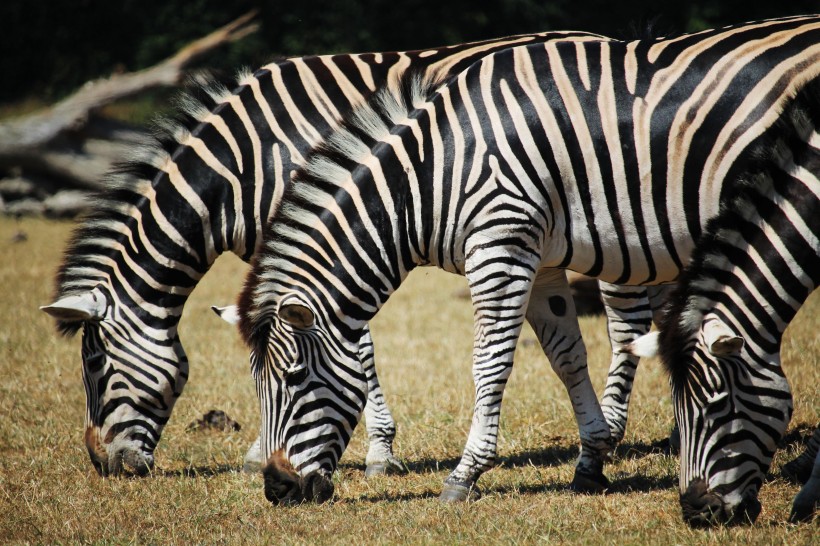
202 471
548 457
635 484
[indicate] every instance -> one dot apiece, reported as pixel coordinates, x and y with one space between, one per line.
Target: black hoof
459 493
795 472
802 513
589 483
385 468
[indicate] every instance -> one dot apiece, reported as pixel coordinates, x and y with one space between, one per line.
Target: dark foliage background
49 48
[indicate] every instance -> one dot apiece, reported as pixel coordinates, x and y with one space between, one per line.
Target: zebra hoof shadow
589 484
453 492
390 467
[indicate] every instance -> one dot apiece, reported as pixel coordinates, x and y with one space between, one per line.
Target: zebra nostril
137 462
747 511
318 487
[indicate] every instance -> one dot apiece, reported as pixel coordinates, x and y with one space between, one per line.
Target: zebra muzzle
115 457
284 486
704 508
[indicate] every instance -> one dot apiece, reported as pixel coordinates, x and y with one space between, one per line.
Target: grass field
50 493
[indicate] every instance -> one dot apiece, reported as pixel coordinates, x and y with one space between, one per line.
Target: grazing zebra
207 186
608 158
720 339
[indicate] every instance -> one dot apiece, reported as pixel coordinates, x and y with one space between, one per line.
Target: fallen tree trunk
71 145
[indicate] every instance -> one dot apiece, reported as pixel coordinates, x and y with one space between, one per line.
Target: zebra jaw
90 305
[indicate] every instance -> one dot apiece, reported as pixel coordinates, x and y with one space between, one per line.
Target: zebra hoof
590 484
390 467
459 493
796 472
802 512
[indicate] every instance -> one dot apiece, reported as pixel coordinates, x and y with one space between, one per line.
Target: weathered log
68 142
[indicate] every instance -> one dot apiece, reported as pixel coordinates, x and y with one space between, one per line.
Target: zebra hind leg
629 316
381 428
552 315
252 464
806 468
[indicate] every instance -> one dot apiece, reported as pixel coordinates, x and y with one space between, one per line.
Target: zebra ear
229 313
720 339
645 346
89 305
297 315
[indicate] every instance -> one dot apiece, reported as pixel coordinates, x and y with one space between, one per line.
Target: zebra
720 336
206 186
604 157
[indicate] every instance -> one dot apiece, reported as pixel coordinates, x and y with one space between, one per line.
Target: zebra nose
318 487
701 507
284 486
704 508
282 483
747 511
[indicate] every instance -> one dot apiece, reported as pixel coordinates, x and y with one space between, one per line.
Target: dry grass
50 493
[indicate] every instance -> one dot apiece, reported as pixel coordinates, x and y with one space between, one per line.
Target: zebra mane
695 293
328 166
128 183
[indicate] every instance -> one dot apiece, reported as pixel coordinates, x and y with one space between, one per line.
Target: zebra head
733 405
312 390
132 376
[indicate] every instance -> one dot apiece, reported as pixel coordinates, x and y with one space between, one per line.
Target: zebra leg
630 312
381 428
500 291
629 316
252 463
799 469
551 313
808 498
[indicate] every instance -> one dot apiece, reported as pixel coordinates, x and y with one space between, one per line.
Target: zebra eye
95 362
718 402
295 376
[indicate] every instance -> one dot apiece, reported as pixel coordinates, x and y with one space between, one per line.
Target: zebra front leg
381 428
552 315
499 291
808 499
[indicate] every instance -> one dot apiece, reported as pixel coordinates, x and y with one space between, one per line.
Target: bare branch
43 127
